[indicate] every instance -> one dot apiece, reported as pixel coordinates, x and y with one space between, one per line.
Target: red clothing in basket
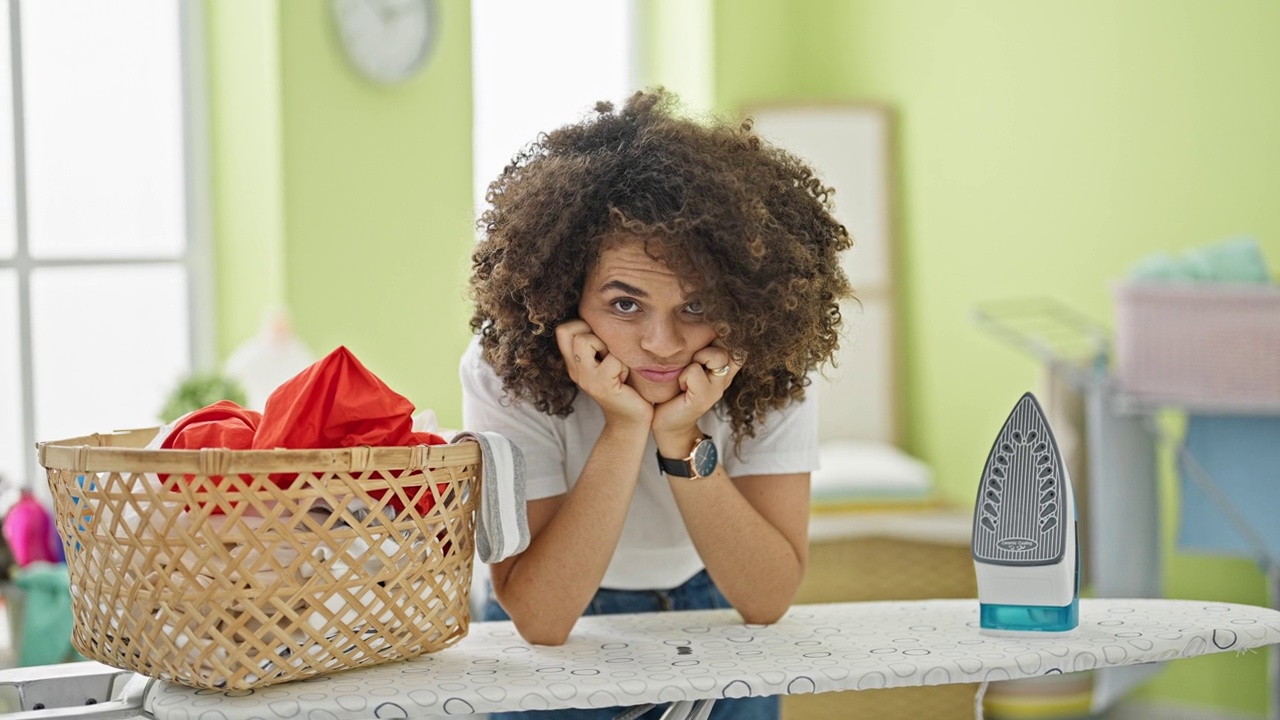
334 403
337 402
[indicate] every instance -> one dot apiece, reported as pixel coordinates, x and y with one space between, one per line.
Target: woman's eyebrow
624 287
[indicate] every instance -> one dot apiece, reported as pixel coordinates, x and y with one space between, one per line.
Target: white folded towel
502 529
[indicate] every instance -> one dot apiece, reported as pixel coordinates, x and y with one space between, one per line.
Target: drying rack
1122 436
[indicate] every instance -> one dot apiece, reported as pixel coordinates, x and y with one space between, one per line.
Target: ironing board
683 657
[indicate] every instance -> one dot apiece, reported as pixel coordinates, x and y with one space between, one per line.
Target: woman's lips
660 375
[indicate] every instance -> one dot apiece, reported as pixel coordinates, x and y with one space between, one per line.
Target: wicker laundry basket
238 569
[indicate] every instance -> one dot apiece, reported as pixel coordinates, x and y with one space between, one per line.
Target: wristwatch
702 461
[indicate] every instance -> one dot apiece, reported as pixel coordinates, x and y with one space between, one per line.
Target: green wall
247 181
676 49
1042 148
347 201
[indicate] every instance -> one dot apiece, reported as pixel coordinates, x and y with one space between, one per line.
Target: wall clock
387 41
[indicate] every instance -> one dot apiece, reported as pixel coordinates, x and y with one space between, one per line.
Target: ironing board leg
702 709
689 710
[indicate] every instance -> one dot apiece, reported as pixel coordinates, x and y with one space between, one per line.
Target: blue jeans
698 593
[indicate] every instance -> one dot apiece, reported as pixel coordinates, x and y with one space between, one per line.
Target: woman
651 296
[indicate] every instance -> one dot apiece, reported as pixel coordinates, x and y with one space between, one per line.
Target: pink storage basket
1210 346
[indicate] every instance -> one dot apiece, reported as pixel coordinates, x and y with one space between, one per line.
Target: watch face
704 458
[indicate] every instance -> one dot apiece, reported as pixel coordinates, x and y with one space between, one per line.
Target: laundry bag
235 569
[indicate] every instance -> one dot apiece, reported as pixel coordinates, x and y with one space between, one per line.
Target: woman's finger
716 361
612 367
588 350
565 334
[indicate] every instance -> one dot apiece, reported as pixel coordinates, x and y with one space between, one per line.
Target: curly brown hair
711 200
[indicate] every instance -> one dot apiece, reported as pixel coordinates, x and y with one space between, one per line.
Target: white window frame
196 258
485 174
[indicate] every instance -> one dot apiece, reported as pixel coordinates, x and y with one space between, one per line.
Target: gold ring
720 371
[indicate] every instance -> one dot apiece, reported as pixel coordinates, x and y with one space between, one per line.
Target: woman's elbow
540 635
763 616
538 628
767 611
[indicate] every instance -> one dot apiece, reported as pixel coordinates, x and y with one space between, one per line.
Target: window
97 271
585 52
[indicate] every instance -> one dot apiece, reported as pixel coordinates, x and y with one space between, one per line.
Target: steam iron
1025 542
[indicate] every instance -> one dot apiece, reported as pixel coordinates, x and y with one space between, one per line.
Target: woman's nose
662 338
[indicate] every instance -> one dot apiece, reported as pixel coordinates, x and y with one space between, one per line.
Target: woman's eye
625 306
694 308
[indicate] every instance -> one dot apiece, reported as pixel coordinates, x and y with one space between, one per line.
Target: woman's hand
702 384
600 375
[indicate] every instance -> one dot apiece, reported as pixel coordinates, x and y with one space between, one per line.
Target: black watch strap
679 468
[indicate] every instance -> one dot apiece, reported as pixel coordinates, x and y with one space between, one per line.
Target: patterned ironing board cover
665 657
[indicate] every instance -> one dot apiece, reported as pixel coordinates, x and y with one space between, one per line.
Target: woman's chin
655 393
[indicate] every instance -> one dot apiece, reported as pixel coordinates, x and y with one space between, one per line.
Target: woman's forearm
550 584
757 565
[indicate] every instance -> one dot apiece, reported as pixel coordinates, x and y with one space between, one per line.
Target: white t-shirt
654 551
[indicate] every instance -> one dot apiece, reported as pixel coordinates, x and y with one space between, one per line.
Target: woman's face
636 306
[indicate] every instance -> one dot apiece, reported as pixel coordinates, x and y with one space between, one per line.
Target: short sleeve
486 408
785 443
